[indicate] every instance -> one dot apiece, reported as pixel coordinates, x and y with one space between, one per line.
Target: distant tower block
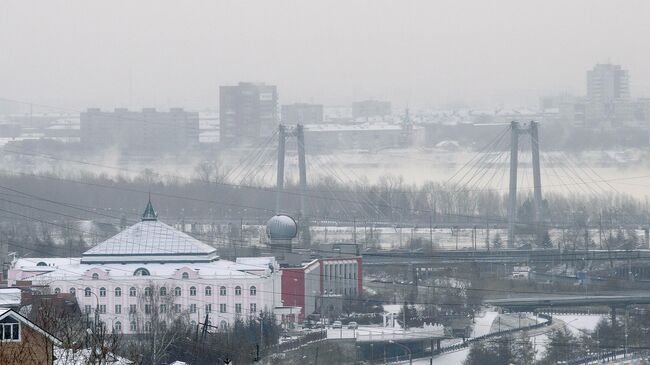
281 230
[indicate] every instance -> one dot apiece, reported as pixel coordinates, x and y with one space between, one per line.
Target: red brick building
317 282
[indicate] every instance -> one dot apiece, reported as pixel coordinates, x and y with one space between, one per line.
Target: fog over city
419 53
324 182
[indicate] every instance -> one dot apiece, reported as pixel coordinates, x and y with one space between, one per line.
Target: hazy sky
424 53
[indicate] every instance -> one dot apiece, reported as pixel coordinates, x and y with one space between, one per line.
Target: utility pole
512 192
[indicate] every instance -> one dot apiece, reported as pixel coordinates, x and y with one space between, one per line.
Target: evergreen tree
523 352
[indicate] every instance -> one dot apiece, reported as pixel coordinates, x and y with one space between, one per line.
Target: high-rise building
608 83
370 108
302 113
143 131
247 112
608 94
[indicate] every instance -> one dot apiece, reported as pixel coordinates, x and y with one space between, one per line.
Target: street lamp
408 350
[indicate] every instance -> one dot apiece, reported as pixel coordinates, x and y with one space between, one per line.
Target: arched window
223 325
185 275
192 291
41 263
253 291
192 323
222 291
57 290
87 292
118 292
163 291
118 326
132 292
177 291
141 272
147 326
72 291
95 276
147 291
208 291
132 326
238 290
102 292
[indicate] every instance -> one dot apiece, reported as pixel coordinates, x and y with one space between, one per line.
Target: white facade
152 270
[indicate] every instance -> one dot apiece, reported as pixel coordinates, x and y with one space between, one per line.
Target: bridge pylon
516 130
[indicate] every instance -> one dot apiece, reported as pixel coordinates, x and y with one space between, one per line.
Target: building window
87 309
238 308
132 326
177 291
118 309
185 275
95 276
238 290
132 292
57 290
118 292
141 272
147 291
192 323
253 291
10 329
87 292
163 291
72 291
223 325
102 292
208 308
222 308
147 326
118 326
192 308
222 291
208 291
253 308
147 309
132 308
163 308
177 308
102 309
192 291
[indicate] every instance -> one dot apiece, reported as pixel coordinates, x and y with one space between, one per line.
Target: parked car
337 324
353 325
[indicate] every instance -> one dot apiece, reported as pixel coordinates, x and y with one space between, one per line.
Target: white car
337 324
353 325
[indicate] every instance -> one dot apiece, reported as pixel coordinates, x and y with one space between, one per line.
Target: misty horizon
420 54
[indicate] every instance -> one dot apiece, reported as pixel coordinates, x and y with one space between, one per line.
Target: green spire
149 213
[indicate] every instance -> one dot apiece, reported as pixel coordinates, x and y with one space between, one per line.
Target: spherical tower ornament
280 230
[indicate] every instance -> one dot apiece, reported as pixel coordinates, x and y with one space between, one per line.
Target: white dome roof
281 227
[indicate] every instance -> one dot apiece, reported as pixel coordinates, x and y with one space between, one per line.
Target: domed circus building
153 272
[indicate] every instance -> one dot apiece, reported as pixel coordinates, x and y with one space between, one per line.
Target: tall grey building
302 113
608 83
608 94
140 132
370 108
247 112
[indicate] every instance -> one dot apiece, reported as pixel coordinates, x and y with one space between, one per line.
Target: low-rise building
23 342
152 270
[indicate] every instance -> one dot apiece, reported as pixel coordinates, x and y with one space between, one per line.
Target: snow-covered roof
153 239
157 270
10 297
